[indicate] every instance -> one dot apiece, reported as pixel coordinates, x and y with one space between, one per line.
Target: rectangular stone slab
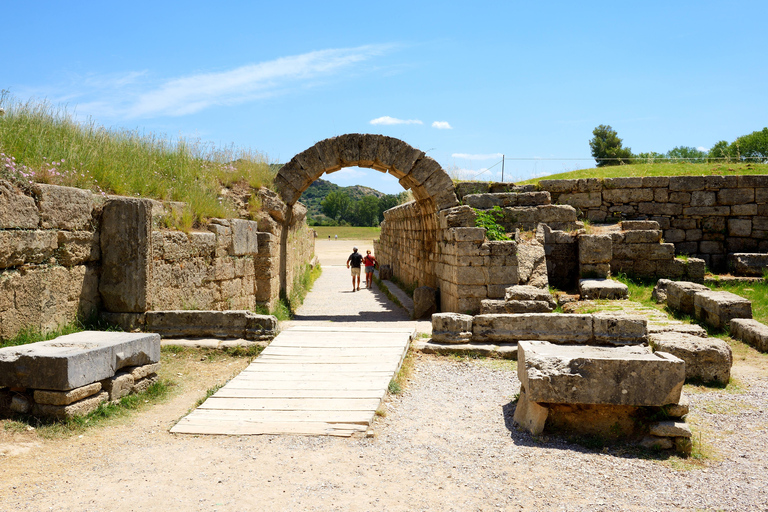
75 360
598 375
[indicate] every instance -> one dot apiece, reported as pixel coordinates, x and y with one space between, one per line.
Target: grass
657 169
43 143
347 232
756 292
34 334
399 381
287 305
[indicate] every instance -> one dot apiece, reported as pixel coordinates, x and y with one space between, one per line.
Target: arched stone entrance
432 188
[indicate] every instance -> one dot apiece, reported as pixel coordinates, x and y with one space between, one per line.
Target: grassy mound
46 144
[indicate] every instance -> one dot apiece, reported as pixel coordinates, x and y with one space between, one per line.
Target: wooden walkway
311 380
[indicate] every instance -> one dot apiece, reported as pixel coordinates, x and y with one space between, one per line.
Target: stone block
595 271
532 264
602 289
490 306
595 249
739 227
582 200
687 183
657 443
139 372
144 384
17 210
695 269
554 327
119 386
18 248
706 359
717 308
63 207
635 225
424 301
75 360
680 409
680 296
530 415
642 236
79 408
216 324
126 255
451 327
670 428
729 196
598 375
244 237
703 198
616 328
748 264
659 293
750 332
523 292
619 183
66 397
77 247
464 188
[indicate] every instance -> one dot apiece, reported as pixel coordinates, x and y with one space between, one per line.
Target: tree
606 147
753 147
687 154
336 205
386 202
721 150
366 212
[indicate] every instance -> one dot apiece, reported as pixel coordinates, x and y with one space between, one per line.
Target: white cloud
135 94
442 125
387 120
702 148
469 156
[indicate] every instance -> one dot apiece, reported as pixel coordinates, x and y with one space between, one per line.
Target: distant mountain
314 195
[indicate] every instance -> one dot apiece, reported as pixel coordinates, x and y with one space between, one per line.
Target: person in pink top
370 262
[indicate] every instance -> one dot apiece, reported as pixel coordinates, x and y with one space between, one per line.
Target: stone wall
408 244
703 216
65 252
49 252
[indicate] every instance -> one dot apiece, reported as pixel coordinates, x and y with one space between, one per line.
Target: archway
432 189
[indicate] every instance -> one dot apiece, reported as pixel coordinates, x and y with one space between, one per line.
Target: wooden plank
319 385
249 392
331 352
319 367
360 417
336 328
292 404
267 428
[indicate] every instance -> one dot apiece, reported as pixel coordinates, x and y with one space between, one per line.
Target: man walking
355 259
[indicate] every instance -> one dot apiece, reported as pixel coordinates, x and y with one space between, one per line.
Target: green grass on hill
657 169
347 232
43 143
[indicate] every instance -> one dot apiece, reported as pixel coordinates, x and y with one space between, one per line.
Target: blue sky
464 81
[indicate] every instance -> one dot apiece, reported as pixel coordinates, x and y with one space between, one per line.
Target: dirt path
446 443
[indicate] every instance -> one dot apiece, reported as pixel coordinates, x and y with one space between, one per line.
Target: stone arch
431 186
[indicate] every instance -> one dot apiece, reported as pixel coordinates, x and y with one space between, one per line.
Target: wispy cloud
469 156
442 125
387 120
702 148
137 95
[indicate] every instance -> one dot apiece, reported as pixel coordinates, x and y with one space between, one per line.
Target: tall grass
44 143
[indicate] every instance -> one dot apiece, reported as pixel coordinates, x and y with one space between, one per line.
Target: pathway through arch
324 374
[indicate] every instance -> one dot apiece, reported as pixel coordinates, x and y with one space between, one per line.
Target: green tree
753 147
687 154
336 205
721 150
365 212
386 202
606 147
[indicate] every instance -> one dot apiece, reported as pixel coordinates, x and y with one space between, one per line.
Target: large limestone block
20 247
525 292
451 327
750 332
17 210
244 237
75 360
79 408
491 306
602 289
595 249
63 207
66 397
680 295
76 247
532 264
217 324
554 327
598 375
616 328
424 301
717 308
748 264
706 359
126 255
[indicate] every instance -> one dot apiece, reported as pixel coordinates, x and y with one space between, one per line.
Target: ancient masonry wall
49 253
65 252
408 244
703 216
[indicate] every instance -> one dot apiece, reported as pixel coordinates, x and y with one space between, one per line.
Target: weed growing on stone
488 219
